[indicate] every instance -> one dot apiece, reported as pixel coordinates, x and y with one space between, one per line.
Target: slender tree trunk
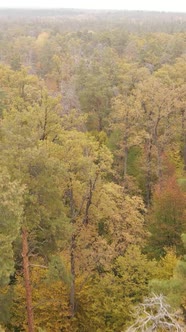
159 162
73 238
92 186
72 252
125 140
148 175
184 137
125 162
26 273
100 123
72 268
44 134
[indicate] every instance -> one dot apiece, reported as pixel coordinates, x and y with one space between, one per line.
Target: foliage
106 299
93 158
11 214
174 287
50 302
167 221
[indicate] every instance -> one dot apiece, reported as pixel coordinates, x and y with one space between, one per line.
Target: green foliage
167 218
92 117
174 287
182 184
133 161
11 217
6 297
2 101
57 270
105 301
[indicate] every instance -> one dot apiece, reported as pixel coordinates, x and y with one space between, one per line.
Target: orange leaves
167 217
168 192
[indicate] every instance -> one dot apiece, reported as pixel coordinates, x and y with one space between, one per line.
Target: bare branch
154 314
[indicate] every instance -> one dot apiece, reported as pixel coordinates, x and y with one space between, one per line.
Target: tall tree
157 106
167 218
11 217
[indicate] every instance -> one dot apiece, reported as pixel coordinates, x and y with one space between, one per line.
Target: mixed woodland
92 171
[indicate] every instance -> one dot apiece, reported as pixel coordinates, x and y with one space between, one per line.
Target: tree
174 287
106 300
11 219
123 119
28 160
167 218
155 315
50 298
11 214
96 81
157 106
175 74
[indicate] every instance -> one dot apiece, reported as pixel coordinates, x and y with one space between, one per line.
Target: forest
92 171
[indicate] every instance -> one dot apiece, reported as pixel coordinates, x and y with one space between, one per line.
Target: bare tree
154 314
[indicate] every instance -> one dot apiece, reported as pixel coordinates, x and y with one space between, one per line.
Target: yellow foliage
165 267
50 303
176 159
41 39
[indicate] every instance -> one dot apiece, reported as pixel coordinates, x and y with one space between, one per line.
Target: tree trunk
72 268
125 164
92 186
26 274
184 137
159 160
125 140
148 175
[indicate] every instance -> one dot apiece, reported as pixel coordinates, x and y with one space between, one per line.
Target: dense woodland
93 170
